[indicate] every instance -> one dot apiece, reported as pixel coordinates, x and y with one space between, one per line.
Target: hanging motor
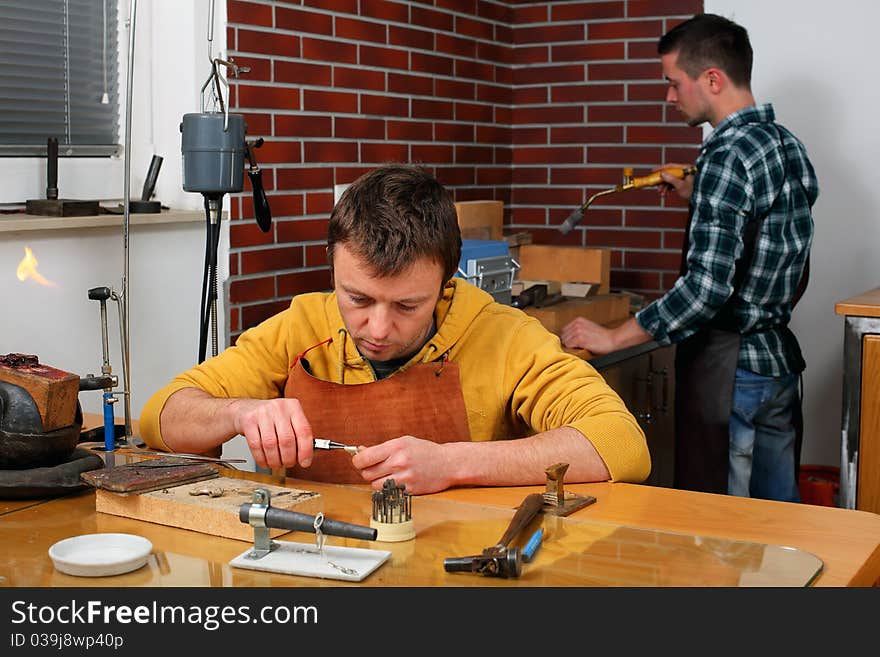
214 148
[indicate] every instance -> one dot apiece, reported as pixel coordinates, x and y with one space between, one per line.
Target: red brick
302 125
495 52
454 45
504 75
653 218
529 175
490 93
548 114
579 93
433 153
338 6
583 11
465 68
429 18
252 315
652 260
248 13
316 255
494 176
260 68
460 132
316 280
655 91
537 14
434 64
252 96
281 152
455 89
384 152
625 30
530 95
319 203
622 239
410 130
330 151
299 20
587 52
673 239
551 74
271 260
302 73
465 154
556 155
473 112
681 155
358 30
234 319
268 43
411 38
385 11
641 8
503 34
489 10
431 109
623 155
413 85
232 39
384 105
330 101
303 230
552 33
594 216
624 113
472 27
603 176
348 174
456 175
383 57
663 135
642 50
626 72
531 55
305 178
251 289
546 196
637 281
322 50
358 78
494 134
503 155
585 134
258 124
358 128
282 205
536 135
536 216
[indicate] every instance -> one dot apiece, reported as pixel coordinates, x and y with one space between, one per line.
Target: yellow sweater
515 378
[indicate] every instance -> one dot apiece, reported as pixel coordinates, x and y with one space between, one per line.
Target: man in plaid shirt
738 406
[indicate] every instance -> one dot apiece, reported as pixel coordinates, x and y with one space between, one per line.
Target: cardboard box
480 220
566 263
605 309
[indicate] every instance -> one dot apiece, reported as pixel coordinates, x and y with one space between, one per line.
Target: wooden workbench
632 536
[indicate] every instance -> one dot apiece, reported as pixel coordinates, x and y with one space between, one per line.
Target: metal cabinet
644 377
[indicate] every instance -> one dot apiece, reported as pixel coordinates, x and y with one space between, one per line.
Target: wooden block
218 516
579 290
480 220
566 263
603 309
553 287
54 391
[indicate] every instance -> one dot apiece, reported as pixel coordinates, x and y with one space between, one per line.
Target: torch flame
27 268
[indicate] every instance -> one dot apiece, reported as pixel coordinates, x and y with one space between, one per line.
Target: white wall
813 62
60 324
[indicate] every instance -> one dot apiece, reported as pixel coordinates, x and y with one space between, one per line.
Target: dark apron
705 373
424 401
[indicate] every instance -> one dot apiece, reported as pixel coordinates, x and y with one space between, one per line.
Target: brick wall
537 104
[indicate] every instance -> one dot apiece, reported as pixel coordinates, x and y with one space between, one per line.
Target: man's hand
683 187
421 465
581 333
276 430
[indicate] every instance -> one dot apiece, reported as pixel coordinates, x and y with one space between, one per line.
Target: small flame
27 268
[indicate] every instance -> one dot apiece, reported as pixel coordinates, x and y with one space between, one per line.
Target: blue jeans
762 437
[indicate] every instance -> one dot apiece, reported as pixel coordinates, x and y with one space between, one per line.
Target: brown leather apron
424 401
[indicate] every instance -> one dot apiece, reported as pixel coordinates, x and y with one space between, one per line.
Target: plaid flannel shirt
743 174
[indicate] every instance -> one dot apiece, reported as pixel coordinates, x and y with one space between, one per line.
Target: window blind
59 76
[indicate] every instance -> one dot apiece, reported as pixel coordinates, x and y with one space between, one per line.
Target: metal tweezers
323 443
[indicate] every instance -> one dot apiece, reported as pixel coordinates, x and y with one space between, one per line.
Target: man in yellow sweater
437 384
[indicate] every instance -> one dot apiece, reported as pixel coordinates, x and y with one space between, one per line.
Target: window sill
10 223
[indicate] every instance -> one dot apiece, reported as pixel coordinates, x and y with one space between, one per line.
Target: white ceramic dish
100 555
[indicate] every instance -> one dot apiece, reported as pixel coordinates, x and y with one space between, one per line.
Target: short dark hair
709 40
394 215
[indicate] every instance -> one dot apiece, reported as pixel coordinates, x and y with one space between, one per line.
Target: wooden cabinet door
868 489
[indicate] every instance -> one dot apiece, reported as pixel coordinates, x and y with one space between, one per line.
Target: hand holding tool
629 182
323 443
500 560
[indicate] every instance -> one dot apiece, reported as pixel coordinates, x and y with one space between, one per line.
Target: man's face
387 317
689 96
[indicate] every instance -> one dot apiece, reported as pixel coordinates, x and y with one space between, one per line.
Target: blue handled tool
531 547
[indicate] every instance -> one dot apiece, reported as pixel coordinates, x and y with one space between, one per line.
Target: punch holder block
343 563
